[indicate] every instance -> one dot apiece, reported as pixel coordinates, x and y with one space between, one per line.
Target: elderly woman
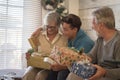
47 37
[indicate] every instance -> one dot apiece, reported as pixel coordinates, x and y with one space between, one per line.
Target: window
16 24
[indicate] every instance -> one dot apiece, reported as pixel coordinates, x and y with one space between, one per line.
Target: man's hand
100 73
57 67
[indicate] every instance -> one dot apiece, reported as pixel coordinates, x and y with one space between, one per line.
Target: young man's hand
99 73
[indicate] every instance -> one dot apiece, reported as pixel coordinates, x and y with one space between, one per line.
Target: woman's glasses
51 27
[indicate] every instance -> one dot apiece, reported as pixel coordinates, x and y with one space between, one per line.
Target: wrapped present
37 60
83 69
66 56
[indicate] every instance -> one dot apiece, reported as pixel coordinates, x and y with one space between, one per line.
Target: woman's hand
37 32
27 54
57 67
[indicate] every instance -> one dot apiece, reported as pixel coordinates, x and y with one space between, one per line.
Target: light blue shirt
81 41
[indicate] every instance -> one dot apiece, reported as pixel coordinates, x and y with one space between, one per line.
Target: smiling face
51 28
69 32
52 22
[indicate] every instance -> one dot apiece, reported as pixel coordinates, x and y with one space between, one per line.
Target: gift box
38 61
66 56
83 70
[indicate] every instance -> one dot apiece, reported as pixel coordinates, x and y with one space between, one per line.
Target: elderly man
47 38
106 52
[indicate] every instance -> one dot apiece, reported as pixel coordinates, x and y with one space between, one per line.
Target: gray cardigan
108 51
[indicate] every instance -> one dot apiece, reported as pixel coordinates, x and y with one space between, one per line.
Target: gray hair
105 15
52 16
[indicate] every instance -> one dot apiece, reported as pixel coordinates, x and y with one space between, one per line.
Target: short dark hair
73 20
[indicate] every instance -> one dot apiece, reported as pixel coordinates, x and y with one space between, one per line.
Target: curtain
18 19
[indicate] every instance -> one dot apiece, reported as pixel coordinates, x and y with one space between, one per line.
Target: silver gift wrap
83 70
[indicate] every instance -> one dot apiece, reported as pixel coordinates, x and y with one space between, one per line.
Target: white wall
97 3
73 6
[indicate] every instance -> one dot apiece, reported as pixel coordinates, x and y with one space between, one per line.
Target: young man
76 38
107 47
